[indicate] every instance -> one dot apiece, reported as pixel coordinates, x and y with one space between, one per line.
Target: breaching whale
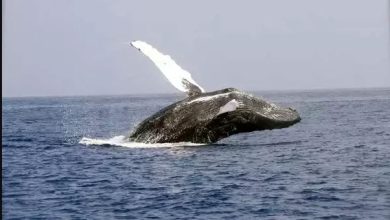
205 117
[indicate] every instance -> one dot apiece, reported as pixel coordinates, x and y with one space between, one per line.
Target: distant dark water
334 164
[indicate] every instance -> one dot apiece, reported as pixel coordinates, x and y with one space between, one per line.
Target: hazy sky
73 47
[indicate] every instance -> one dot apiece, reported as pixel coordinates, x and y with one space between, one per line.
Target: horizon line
179 93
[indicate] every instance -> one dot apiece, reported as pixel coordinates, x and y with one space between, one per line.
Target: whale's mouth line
122 141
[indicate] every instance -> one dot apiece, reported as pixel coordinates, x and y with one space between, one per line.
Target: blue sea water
334 164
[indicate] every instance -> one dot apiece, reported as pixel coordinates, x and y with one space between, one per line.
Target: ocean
64 158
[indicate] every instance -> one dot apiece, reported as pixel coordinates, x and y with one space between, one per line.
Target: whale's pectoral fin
178 77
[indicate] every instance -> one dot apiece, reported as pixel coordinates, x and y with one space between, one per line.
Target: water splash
121 141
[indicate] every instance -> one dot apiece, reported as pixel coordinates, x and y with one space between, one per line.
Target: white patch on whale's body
232 105
207 98
211 97
177 76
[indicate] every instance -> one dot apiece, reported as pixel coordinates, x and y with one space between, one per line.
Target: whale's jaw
209 117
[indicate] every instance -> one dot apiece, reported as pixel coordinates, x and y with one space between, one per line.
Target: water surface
334 164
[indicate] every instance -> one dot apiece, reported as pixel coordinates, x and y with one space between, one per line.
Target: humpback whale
205 117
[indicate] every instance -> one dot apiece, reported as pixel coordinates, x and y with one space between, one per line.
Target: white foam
122 142
173 72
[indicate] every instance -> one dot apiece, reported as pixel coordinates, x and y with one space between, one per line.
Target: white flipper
178 77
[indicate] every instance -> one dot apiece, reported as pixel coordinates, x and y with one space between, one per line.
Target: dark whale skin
198 119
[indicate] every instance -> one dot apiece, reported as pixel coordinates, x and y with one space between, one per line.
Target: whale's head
230 111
